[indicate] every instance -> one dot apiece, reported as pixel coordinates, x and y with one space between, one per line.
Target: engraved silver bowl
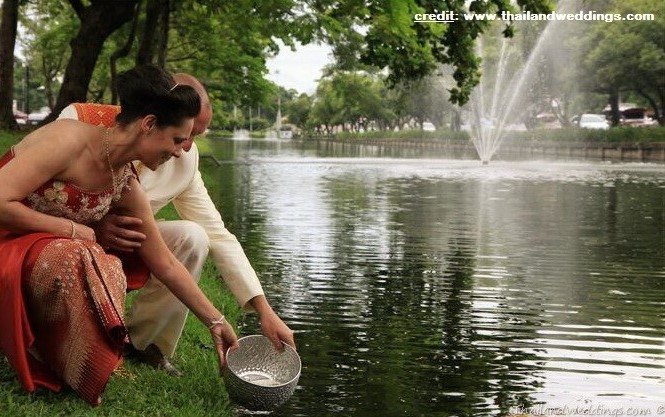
259 377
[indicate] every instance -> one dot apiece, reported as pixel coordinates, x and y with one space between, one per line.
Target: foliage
618 134
424 100
7 139
382 34
51 25
355 101
419 135
630 55
298 110
614 135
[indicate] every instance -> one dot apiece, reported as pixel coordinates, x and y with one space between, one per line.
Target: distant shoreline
603 151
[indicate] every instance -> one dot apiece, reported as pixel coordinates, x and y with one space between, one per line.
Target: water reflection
444 288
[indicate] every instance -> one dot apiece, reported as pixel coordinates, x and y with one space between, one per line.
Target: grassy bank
135 389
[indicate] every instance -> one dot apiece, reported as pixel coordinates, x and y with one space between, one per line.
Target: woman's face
164 143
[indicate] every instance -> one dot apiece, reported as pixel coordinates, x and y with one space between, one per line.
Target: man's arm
195 204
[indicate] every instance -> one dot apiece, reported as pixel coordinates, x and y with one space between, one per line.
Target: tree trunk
123 51
8 26
164 37
146 47
614 106
652 103
98 21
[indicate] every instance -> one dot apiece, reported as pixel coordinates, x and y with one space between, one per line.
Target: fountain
240 134
498 105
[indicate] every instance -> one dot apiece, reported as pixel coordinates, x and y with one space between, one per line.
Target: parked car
633 115
38 116
429 127
20 117
593 121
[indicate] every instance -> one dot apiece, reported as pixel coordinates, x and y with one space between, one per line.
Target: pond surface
425 287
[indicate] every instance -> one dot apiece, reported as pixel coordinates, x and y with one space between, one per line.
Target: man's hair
148 89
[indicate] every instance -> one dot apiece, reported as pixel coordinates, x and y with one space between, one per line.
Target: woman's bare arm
44 154
164 265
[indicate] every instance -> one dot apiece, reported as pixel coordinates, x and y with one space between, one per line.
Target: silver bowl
259 377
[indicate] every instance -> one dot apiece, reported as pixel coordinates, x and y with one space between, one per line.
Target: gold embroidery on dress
56 194
54 200
65 268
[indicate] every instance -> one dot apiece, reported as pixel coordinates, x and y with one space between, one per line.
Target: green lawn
138 390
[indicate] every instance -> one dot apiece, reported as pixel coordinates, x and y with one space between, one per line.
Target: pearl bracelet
73 229
214 323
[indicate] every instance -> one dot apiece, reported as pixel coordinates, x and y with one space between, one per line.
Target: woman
62 297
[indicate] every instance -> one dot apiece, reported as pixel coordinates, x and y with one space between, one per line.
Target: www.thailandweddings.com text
581 16
589 410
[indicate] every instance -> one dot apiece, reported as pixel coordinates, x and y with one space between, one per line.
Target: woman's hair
148 89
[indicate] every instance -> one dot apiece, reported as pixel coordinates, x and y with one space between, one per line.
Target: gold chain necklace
107 143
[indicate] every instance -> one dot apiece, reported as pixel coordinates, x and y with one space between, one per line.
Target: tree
383 34
298 110
629 56
352 101
155 32
327 110
98 20
424 100
8 27
226 42
51 26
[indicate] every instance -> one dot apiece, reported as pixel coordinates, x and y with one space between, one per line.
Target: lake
434 287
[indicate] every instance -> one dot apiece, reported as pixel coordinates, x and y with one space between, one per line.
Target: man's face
201 123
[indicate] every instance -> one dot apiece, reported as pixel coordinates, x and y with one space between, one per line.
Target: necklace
107 143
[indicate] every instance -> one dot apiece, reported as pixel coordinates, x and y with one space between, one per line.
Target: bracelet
73 229
214 323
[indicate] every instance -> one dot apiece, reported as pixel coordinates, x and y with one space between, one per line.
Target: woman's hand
224 338
81 231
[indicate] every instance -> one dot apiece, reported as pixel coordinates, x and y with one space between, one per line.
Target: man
156 317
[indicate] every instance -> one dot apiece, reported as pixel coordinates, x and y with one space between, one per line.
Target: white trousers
156 315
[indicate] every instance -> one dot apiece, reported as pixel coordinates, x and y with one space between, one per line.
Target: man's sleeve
68 112
195 204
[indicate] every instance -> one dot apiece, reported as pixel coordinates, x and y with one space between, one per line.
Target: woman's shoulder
67 133
60 141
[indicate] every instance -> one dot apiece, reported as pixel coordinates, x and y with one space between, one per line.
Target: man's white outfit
156 316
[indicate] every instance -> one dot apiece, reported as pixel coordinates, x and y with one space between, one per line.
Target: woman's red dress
62 300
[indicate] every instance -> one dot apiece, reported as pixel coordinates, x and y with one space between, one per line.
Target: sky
300 69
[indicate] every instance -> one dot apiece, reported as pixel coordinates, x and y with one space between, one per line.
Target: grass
136 389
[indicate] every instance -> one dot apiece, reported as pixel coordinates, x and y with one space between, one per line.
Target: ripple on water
438 287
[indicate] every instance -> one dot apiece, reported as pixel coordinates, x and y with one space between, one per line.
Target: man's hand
118 233
272 326
276 330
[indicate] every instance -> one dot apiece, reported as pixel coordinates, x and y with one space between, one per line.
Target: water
260 378
447 288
